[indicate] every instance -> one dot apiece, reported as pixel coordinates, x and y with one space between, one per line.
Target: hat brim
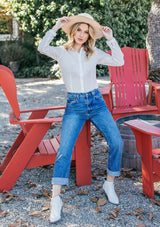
76 19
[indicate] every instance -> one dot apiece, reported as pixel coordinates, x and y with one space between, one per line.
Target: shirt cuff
112 42
53 32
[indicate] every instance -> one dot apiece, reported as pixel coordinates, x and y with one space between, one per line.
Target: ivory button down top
78 72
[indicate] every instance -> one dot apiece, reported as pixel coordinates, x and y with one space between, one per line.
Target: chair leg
22 156
144 146
83 157
147 166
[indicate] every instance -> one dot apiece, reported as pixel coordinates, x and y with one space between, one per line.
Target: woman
78 59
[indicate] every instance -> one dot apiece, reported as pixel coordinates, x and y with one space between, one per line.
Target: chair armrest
154 84
39 121
14 120
107 95
144 127
107 89
43 109
156 87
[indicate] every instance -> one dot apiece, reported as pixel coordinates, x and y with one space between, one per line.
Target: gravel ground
27 204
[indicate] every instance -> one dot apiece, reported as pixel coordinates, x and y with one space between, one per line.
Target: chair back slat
8 84
129 80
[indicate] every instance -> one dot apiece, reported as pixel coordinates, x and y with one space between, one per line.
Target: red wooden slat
124 87
58 138
49 147
121 89
55 144
116 86
135 75
143 68
140 56
130 78
42 148
136 78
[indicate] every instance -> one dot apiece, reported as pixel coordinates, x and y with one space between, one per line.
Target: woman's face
82 34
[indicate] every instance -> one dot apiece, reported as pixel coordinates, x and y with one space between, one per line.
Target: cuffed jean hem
60 181
113 174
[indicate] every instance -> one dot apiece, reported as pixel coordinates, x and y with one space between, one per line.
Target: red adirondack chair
150 158
29 150
128 83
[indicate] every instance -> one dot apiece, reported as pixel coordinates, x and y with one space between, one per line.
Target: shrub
10 52
49 70
29 50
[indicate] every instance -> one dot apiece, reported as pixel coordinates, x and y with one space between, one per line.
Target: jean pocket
72 100
98 96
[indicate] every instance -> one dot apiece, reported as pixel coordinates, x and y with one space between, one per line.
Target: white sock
56 190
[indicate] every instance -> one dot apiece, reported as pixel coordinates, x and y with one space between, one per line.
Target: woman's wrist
107 32
55 28
60 23
109 39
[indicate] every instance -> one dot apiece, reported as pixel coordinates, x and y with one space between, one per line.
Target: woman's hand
108 34
61 21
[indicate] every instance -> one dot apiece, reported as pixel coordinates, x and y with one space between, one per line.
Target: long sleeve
45 48
116 59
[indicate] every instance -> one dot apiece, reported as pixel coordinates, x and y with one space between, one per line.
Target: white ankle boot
108 187
56 207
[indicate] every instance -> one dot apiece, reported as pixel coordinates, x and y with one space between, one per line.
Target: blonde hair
88 45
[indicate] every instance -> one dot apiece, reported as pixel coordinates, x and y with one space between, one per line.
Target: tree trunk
153 37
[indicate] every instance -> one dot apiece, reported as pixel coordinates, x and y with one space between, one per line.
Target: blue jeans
79 108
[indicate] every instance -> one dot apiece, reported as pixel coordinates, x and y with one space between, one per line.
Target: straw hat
84 18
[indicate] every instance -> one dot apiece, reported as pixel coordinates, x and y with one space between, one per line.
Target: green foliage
24 52
48 70
128 19
10 52
29 51
5 25
5 20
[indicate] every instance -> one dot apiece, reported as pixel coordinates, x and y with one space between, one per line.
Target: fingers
106 29
61 21
107 32
64 19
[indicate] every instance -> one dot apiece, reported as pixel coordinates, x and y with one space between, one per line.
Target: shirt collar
81 50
